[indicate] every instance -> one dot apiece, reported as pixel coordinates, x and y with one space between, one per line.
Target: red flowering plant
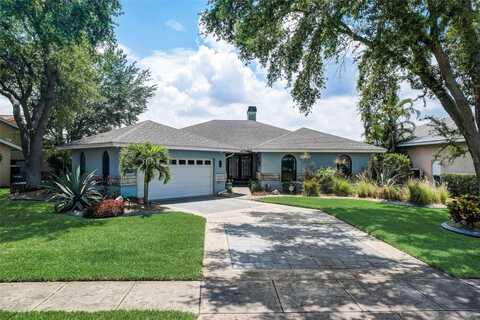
107 208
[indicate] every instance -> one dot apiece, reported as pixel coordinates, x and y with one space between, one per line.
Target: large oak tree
46 50
433 44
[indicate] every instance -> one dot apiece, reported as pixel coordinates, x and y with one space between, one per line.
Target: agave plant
74 191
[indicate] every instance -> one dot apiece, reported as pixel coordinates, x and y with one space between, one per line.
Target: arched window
289 168
344 165
82 163
105 165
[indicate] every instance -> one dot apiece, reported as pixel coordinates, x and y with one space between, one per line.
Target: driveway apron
267 261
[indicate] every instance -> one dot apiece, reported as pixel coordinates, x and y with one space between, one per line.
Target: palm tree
390 123
148 158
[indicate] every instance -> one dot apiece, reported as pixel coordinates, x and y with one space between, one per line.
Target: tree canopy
432 44
46 54
122 93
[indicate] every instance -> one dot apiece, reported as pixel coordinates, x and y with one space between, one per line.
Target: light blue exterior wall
94 158
271 164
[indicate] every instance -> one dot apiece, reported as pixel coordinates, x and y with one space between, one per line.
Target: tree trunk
145 194
34 162
474 148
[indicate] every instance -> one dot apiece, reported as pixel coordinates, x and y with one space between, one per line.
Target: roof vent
252 113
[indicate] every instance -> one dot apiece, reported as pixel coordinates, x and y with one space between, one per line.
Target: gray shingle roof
425 135
244 134
150 131
305 139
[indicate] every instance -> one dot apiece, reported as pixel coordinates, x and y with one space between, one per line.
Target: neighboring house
204 156
10 150
424 148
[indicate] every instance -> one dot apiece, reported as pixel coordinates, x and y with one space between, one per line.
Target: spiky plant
74 191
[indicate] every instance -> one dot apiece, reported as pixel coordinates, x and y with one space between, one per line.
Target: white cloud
212 83
175 25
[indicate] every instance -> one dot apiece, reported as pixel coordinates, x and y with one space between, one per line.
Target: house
206 155
424 148
11 155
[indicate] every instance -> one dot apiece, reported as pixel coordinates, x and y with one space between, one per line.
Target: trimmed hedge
459 184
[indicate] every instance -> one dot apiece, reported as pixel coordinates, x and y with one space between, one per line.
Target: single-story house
206 155
424 148
11 157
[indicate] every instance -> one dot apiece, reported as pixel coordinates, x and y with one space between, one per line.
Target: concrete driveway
266 261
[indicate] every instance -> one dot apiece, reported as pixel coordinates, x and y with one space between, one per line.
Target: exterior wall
94 159
4 166
128 188
423 156
271 164
9 133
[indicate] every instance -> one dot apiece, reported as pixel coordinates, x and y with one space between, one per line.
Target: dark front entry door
239 168
246 170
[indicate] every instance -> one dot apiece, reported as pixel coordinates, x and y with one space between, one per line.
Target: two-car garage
189 177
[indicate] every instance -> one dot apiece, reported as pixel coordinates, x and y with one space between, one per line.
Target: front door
246 167
239 168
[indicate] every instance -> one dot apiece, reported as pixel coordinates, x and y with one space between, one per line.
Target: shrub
390 168
459 184
74 191
395 193
106 208
422 192
366 189
255 186
342 187
326 179
465 210
311 188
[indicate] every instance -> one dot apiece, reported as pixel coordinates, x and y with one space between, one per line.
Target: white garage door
189 178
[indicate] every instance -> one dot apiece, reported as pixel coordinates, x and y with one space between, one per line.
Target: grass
37 244
413 230
102 315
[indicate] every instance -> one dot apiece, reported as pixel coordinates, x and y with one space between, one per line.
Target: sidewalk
100 295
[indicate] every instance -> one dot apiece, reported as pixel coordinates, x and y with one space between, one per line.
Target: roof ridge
188 133
133 128
273 139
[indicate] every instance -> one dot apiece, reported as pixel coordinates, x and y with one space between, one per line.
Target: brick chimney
252 113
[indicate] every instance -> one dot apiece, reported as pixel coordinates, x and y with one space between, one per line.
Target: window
105 165
182 162
344 165
289 168
208 162
199 162
191 162
173 162
219 163
82 163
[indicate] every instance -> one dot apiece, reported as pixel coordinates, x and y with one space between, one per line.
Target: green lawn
37 244
103 315
413 230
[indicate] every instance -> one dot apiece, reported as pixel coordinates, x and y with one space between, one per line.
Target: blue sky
143 26
199 79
